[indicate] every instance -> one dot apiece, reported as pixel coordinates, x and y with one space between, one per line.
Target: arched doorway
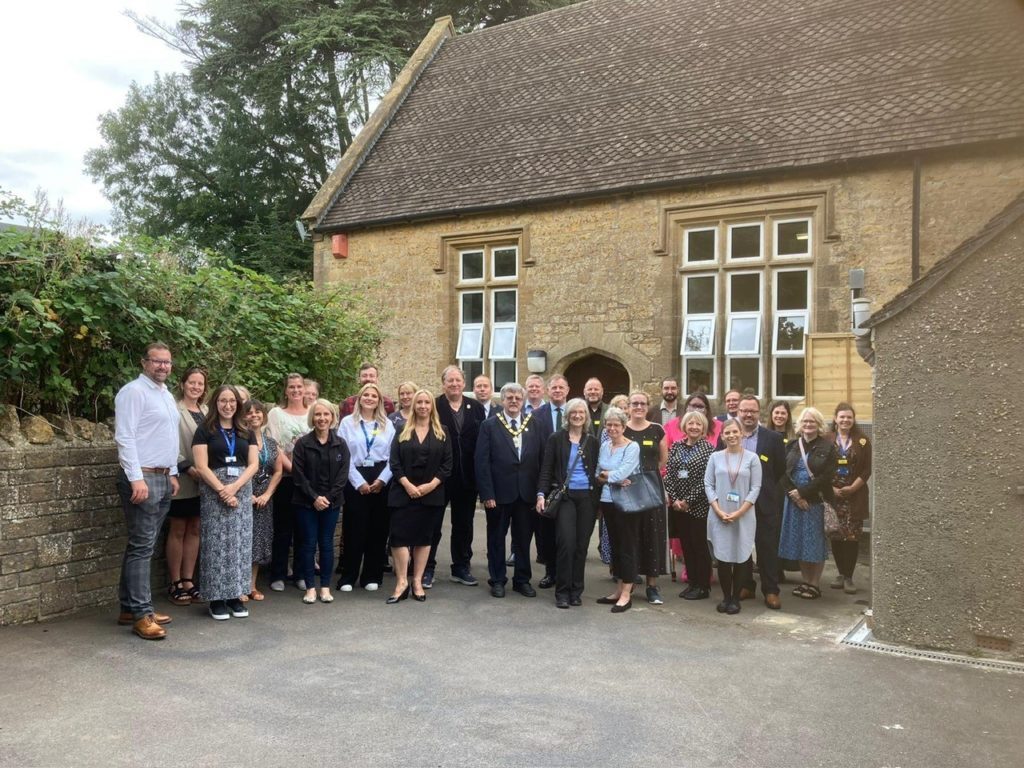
612 374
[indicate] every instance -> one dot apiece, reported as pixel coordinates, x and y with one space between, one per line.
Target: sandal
178 594
193 591
810 592
800 590
257 595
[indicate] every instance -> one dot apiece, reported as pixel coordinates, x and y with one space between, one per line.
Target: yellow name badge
648 442
763 457
844 461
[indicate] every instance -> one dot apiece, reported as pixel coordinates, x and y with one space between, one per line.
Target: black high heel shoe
398 598
419 598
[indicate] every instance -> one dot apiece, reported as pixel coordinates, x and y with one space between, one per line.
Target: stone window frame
489 360
720 216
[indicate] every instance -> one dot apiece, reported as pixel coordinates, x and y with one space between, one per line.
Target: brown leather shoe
773 602
746 594
148 629
125 618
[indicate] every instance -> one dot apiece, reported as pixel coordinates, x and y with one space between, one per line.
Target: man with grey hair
508 455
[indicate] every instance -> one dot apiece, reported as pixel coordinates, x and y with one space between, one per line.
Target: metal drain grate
859 637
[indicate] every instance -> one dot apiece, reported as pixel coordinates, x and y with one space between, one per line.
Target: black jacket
439 465
463 440
308 457
503 473
821 461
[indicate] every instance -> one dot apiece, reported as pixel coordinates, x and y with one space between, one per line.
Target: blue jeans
143 522
316 529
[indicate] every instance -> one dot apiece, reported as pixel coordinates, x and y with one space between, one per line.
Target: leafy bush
77 314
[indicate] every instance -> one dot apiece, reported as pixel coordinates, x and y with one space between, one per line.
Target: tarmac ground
465 679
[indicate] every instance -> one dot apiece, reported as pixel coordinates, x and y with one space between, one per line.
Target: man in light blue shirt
146 433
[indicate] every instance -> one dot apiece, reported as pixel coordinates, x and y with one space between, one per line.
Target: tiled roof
905 298
613 95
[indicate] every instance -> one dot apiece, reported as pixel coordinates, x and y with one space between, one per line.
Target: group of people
247 486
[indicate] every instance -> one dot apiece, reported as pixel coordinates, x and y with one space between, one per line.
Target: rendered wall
948 531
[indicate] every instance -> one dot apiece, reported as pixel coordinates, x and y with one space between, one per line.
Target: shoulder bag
644 491
557 496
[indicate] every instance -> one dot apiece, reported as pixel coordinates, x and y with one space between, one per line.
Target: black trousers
624 536
546 531
573 528
365 522
693 535
286 531
519 515
463 504
845 554
766 542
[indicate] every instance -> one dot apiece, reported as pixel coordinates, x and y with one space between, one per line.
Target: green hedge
77 314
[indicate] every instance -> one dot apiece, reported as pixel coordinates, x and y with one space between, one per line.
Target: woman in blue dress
810 467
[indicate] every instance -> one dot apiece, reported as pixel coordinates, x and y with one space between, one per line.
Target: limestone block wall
593 280
61 525
948 528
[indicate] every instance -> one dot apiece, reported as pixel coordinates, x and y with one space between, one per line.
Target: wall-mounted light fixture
536 361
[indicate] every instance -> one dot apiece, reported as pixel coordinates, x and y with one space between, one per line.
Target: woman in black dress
652 549
421 460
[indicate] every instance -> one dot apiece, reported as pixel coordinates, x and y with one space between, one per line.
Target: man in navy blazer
546 417
507 461
768 446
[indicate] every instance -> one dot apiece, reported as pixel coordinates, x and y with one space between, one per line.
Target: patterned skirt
225 543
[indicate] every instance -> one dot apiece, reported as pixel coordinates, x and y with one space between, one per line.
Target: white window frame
702 316
760 370
497 327
777 313
493 263
775 238
728 243
686 246
802 352
757 323
463 280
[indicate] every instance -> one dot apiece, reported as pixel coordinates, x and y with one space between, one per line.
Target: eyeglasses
695 407
749 411
637 404
167 363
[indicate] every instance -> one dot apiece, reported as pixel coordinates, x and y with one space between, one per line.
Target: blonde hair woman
421 460
364 528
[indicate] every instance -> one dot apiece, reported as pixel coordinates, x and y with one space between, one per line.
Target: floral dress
263 519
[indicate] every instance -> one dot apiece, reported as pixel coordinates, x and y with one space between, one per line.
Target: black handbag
644 491
554 501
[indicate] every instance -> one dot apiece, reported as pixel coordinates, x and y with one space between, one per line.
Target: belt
156 470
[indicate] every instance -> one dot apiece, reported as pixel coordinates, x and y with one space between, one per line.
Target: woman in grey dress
732 482
264 483
226 461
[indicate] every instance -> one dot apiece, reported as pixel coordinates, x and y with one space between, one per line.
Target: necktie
558 418
513 425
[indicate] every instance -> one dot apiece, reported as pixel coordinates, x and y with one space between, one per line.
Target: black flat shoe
419 598
398 598
622 608
722 607
561 603
575 602
546 583
607 600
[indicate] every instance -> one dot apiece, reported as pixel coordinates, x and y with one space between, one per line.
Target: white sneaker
346 587
849 587
277 586
372 587
837 582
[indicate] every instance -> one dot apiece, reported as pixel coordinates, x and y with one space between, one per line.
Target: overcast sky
65 63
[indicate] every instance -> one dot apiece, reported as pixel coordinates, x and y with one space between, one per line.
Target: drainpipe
915 224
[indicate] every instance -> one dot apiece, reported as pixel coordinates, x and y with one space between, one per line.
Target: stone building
949 360
639 188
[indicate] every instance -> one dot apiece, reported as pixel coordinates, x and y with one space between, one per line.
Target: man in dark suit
732 402
768 446
549 419
508 454
462 418
483 391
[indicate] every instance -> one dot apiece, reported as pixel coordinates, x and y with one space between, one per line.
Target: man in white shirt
483 391
146 433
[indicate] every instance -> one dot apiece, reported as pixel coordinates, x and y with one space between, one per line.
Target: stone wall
948 530
61 525
593 279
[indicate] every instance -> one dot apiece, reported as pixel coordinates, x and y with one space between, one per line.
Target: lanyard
264 451
843 447
733 476
369 437
230 441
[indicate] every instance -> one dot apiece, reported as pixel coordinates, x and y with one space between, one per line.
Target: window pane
504 306
744 373
700 376
472 308
793 238
700 295
472 369
505 262
745 293
791 290
504 372
470 343
746 241
699 336
789 377
473 265
789 332
700 245
503 342
744 335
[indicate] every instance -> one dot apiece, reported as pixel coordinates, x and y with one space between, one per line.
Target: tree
229 155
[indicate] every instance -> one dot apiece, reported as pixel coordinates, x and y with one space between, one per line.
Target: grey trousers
143 522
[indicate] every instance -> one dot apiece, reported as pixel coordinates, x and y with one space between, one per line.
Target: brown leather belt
156 470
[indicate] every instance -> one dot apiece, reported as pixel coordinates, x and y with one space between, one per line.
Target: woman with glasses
652 547
695 403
